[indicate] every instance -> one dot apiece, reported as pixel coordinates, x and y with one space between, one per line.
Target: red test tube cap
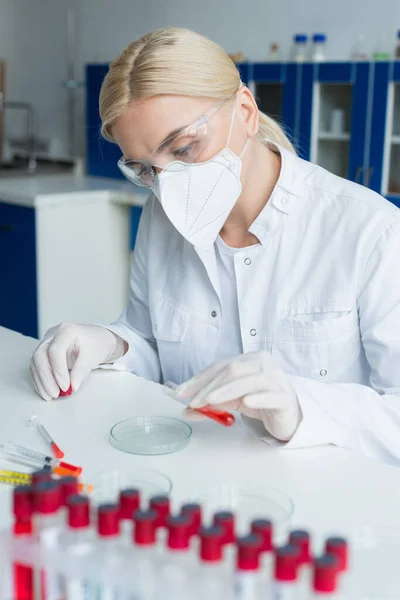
339 547
178 532
41 475
264 528
211 543
144 531
78 511
47 497
23 502
68 392
326 570
74 470
286 563
108 520
248 554
162 506
301 539
129 503
226 520
193 511
69 487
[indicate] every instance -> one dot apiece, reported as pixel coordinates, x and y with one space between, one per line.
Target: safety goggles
184 147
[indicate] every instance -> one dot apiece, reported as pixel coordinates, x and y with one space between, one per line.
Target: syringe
31 458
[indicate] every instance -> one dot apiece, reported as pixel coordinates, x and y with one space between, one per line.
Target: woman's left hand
255 385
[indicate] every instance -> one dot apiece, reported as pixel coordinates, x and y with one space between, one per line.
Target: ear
248 110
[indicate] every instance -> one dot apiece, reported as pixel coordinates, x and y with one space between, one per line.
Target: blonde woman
264 282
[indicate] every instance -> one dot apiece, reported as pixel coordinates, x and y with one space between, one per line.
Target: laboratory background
312 523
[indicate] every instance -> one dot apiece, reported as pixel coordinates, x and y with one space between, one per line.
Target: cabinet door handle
359 171
6 228
370 170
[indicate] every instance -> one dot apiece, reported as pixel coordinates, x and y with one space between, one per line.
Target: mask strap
245 148
231 126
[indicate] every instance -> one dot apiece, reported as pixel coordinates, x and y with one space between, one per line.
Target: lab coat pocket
320 344
169 329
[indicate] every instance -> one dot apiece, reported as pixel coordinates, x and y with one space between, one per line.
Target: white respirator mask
197 198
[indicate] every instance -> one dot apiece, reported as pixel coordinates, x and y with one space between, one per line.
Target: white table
333 490
69 239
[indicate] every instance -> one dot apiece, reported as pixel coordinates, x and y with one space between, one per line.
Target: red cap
144 533
249 549
23 502
129 503
108 520
42 475
47 497
69 487
286 563
326 571
178 532
226 520
301 539
211 543
72 468
263 528
68 392
193 511
339 547
78 511
161 505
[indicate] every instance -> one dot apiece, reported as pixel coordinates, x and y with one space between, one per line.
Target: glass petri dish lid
248 502
108 484
150 435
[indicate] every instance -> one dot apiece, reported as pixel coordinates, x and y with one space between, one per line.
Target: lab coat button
253 332
214 313
247 261
284 200
323 372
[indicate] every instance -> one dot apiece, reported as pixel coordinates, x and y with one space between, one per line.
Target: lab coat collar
289 187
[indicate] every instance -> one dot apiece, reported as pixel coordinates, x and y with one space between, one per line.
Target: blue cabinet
275 87
384 147
334 117
102 156
344 116
18 297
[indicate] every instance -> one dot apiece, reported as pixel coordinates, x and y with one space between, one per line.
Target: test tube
339 547
23 511
222 417
301 539
326 570
193 511
247 566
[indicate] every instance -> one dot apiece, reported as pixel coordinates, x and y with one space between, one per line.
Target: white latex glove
253 384
68 353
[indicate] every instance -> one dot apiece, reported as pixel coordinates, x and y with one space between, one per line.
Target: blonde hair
176 62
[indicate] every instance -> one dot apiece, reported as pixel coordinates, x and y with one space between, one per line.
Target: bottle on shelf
274 53
299 50
397 47
359 52
319 47
382 52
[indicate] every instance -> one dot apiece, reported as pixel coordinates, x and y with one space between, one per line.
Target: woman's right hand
67 354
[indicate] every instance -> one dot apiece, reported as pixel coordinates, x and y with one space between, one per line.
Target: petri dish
108 484
150 435
249 502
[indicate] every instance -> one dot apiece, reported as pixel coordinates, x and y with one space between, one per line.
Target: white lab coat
323 297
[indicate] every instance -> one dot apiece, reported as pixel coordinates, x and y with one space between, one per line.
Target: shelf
334 137
395 139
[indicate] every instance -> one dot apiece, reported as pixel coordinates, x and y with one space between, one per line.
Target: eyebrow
169 138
